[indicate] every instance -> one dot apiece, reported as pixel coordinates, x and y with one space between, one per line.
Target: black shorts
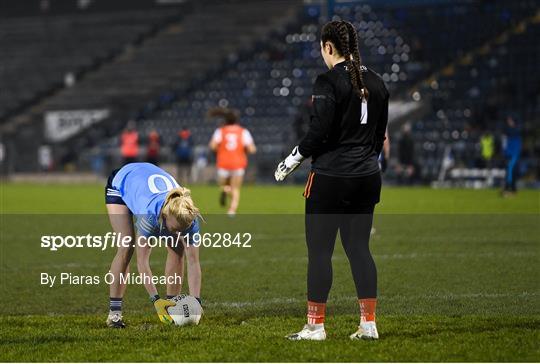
184 162
112 195
342 195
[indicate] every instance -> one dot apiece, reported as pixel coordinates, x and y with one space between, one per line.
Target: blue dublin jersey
143 187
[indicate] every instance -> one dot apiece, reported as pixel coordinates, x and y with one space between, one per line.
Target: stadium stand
44 51
264 64
476 93
270 85
179 54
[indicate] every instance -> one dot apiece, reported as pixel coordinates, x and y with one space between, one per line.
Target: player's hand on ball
161 309
288 165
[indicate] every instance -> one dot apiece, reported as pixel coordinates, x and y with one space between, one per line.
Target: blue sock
169 296
115 304
154 298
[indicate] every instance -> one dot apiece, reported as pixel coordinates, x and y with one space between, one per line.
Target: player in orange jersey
232 143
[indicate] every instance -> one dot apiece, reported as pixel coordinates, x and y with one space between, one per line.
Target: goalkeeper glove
161 308
288 165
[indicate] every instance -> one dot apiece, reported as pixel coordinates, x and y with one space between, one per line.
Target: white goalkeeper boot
309 332
366 331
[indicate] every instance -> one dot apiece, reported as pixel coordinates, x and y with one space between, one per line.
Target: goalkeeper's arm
324 105
321 121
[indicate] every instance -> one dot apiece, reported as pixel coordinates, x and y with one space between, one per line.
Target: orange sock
316 312
367 309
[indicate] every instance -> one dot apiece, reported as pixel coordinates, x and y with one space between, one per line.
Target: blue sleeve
193 229
147 225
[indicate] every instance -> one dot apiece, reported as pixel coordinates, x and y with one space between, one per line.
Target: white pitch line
338 299
240 261
398 256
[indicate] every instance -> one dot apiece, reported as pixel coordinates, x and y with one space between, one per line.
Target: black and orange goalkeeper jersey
346 134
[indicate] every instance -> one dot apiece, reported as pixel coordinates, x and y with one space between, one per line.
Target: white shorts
226 173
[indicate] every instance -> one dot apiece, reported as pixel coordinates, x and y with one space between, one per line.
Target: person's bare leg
174 266
124 286
122 223
185 174
224 185
236 184
194 271
143 266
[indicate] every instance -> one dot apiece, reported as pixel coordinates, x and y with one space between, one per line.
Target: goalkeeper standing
345 137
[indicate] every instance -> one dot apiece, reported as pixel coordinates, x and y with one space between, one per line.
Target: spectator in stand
183 149
487 149
68 161
45 158
512 149
200 162
129 143
152 148
406 168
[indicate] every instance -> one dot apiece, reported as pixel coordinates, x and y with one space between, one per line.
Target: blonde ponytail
179 205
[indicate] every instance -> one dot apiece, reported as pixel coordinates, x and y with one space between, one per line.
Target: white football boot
115 320
309 332
366 331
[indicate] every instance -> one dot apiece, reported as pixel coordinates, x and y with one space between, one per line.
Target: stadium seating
270 85
143 75
476 95
264 63
40 51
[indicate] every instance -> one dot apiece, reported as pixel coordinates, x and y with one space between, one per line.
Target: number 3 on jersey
231 141
363 116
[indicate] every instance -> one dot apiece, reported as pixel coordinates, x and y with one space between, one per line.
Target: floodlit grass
458 281
272 199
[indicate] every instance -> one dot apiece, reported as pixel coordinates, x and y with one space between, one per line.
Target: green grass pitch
458 281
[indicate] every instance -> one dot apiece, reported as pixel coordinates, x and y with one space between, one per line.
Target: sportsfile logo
109 240
118 240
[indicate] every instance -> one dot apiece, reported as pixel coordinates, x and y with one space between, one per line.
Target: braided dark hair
343 35
357 59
